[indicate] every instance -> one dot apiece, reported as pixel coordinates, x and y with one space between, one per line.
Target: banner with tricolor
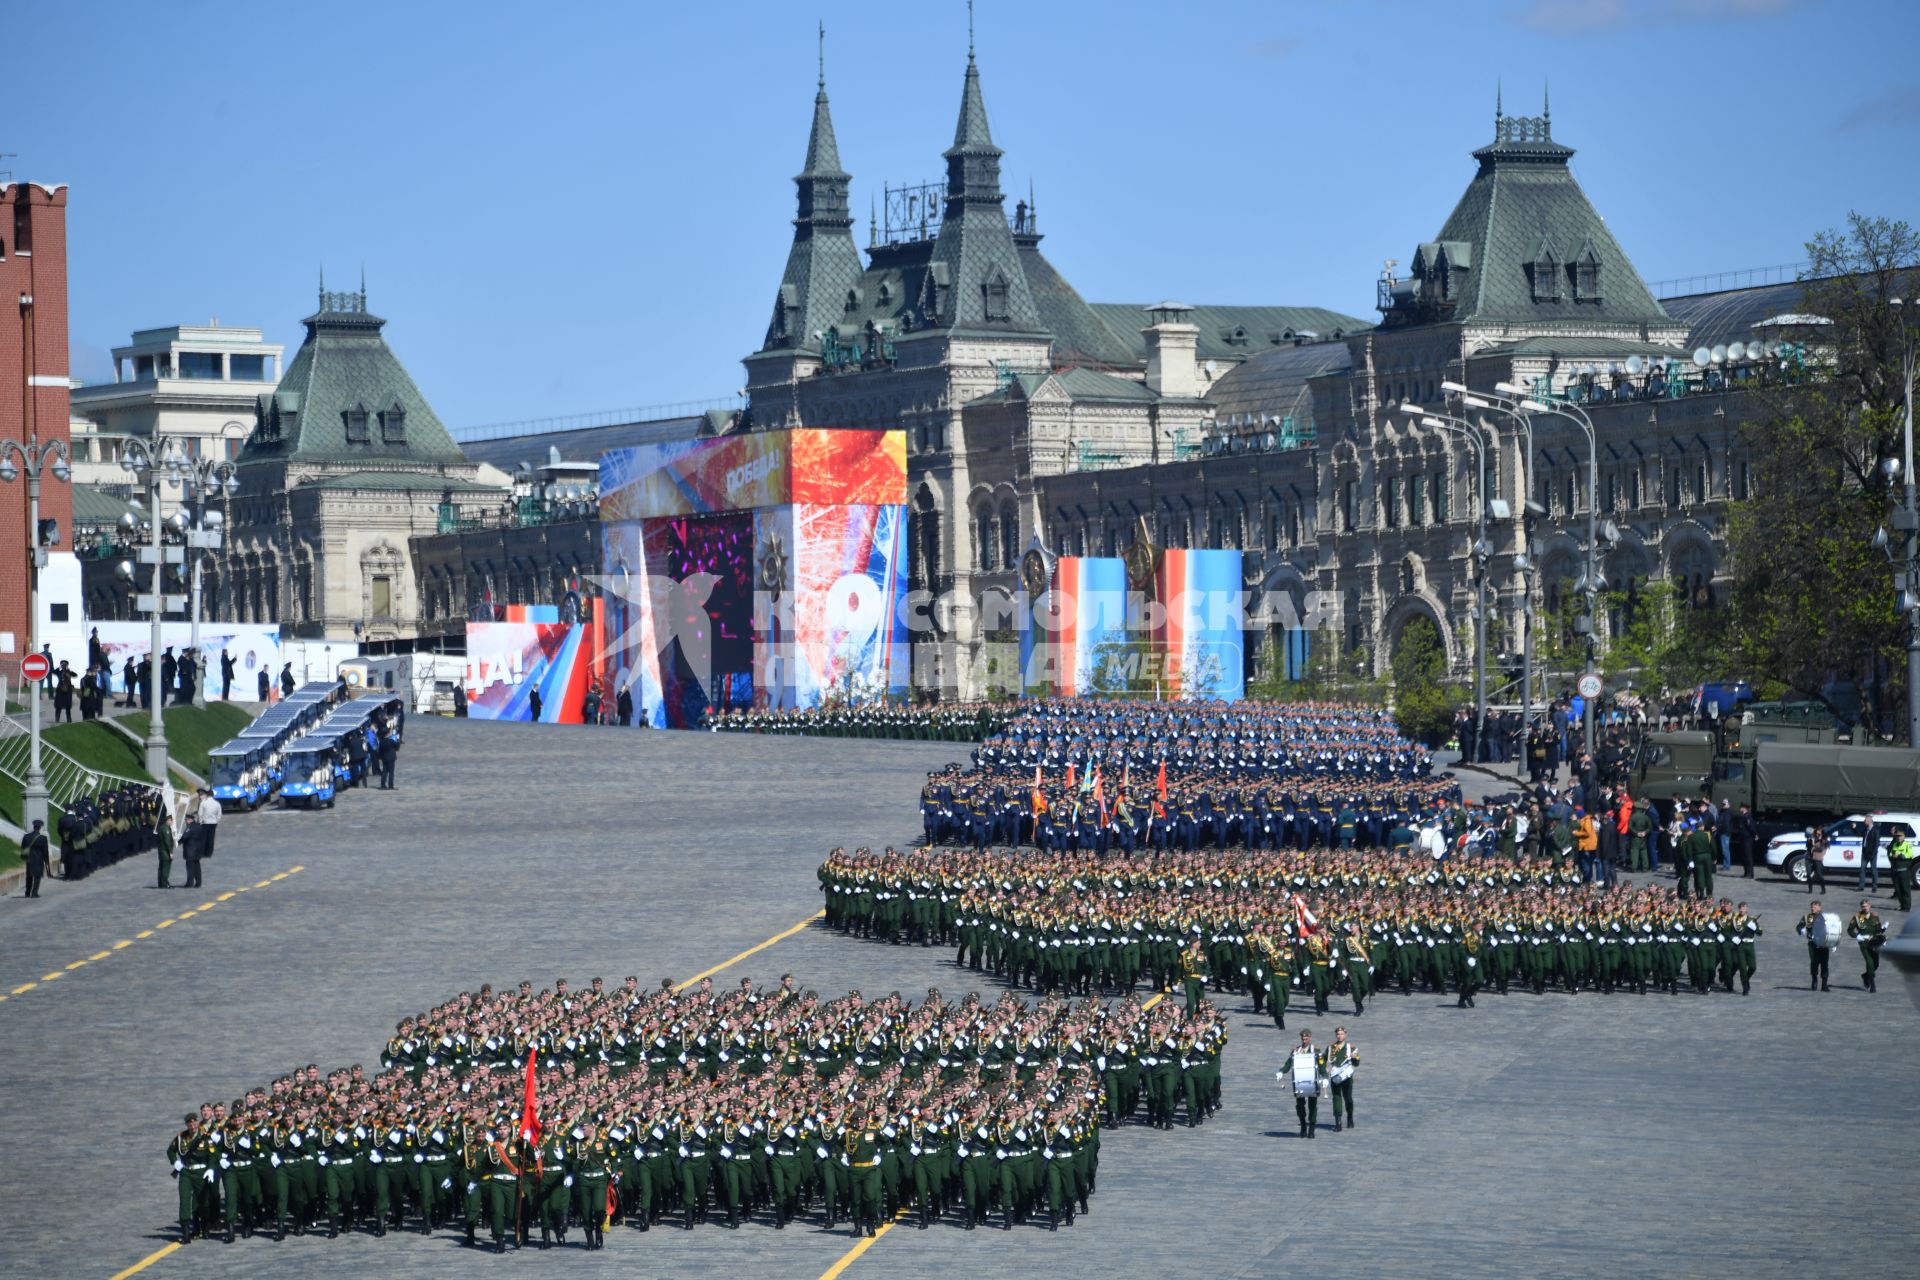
1202 647
1084 608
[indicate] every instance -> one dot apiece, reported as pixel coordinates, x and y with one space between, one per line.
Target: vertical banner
1202 645
1077 632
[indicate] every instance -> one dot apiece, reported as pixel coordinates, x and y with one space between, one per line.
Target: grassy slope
9 854
194 731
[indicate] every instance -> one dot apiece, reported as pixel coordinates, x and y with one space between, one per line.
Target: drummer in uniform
1306 1066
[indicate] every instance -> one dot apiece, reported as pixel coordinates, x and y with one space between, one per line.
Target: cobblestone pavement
1554 1135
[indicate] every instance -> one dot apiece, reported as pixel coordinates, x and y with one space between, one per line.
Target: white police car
1787 853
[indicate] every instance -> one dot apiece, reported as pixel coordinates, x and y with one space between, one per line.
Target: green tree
1423 700
1811 600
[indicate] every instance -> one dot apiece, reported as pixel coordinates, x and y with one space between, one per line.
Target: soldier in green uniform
498 1178
1867 929
1194 972
1639 834
187 1153
590 1170
860 1156
1342 1058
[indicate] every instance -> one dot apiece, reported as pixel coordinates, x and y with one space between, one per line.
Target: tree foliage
1811 601
1423 700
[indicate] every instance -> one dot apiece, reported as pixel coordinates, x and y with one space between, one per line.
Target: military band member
1867 929
1342 1058
1306 1067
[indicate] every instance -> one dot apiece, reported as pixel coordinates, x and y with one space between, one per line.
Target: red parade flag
613 1206
530 1104
1306 918
1072 782
1160 783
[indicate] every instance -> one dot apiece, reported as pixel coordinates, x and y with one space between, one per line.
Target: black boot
380 1226
1006 1221
333 1227
470 1234
228 1237
186 1232
1053 1219
280 1230
690 1214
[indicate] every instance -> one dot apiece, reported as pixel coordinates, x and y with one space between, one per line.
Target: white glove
567 1181
446 1184
274 1160
179 1166
845 1161
324 1162
419 1158
375 1156
683 1151
209 1175
471 1187
225 1163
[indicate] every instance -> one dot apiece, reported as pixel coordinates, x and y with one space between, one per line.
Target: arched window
983 541
1009 536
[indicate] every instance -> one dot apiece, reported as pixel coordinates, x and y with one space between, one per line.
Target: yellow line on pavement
145 1262
141 936
852 1255
785 933
263 884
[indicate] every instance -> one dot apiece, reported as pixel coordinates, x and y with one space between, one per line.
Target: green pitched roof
1522 220
344 369
96 508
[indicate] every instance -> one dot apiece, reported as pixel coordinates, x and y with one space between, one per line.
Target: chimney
1173 368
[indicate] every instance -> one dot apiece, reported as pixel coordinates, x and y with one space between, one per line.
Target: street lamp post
157 461
1591 583
204 477
1523 534
1482 554
35 458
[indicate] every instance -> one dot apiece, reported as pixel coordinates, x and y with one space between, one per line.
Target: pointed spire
823 150
969 32
972 132
1499 111
1546 106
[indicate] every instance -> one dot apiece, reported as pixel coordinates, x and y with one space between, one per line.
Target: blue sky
570 207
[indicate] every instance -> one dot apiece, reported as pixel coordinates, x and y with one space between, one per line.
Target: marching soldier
1867 929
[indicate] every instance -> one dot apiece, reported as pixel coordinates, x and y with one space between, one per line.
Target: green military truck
1787 761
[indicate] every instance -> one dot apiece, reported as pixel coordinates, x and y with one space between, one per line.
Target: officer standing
1902 855
34 852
